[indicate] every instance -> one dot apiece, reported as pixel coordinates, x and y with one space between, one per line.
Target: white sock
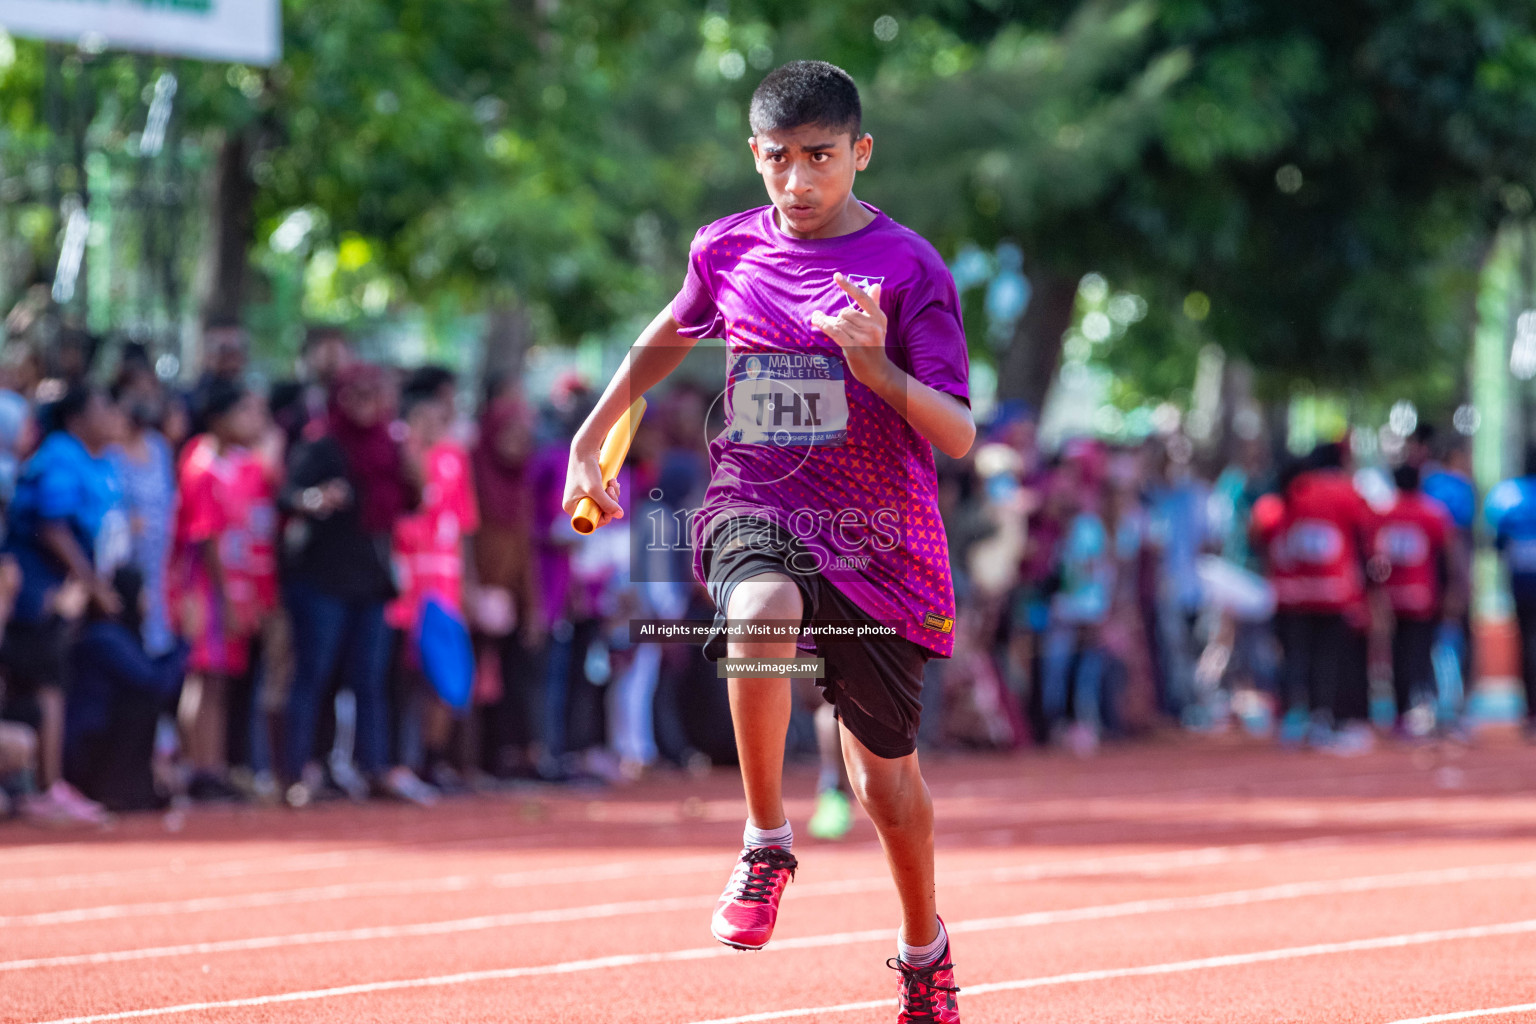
922 956
755 838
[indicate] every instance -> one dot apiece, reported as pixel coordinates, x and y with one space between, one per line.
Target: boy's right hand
584 479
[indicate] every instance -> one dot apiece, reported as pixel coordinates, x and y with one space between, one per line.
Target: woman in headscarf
348 483
510 627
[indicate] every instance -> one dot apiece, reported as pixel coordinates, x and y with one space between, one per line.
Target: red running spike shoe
749 906
927 994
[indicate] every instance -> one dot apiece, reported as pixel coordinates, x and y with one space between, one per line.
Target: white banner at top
247 31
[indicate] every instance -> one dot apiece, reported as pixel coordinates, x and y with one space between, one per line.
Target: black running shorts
875 685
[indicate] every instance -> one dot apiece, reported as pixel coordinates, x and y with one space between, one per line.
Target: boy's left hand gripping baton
615 448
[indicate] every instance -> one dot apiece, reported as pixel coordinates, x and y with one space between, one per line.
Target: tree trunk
508 333
1236 400
231 231
1029 365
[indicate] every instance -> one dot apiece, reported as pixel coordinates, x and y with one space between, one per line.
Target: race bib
788 400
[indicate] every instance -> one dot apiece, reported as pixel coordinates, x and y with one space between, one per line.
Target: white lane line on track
1151 970
415 838
883 935
1469 1014
1140 863
879 935
1173 860
404 887
412 839
340 858
576 875
1025 872
1033 919
175 872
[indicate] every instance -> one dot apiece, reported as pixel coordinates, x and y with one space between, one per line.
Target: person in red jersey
1326 528
1414 555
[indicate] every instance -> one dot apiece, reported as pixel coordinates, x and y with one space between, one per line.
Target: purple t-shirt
805 443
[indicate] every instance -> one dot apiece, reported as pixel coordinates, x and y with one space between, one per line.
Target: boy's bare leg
745 915
828 740
760 708
895 797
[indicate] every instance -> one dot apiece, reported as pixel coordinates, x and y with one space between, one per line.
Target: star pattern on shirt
900 585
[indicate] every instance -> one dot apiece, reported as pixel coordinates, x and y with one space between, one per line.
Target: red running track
1183 881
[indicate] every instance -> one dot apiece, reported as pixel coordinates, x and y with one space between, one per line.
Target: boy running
846 361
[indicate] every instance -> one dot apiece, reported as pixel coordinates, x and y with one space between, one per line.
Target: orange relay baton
615 447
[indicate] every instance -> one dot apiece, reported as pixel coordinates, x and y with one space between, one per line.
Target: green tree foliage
1326 173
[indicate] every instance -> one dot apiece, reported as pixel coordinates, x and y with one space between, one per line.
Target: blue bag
446 654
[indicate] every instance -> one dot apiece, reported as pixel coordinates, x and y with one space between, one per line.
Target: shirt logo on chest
862 282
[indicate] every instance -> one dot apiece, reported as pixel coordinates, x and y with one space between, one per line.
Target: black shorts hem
886 752
874 685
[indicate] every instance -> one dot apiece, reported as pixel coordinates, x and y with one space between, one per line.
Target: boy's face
809 174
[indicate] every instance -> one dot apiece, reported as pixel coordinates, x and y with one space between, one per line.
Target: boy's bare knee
892 799
771 596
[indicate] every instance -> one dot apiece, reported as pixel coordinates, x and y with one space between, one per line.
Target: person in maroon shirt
1414 558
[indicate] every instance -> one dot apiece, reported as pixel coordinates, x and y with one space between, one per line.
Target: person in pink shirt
221 569
432 548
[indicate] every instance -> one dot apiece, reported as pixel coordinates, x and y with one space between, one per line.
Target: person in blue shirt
146 470
66 521
1511 513
1447 479
117 694
1072 655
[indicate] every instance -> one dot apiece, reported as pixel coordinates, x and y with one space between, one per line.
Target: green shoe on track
834 815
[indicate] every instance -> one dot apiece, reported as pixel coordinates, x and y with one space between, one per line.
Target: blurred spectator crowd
212 593
216 594
1114 589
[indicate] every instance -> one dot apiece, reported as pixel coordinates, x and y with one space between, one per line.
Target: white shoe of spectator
302 793
349 781
402 784
1082 740
63 804
298 795
1353 740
